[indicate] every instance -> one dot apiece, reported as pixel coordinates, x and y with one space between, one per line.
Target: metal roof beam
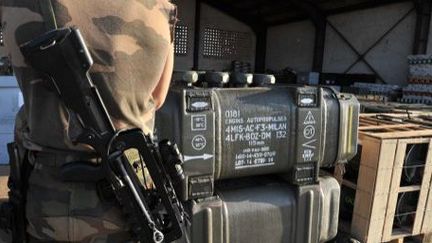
361 5
249 5
319 19
238 14
421 36
357 5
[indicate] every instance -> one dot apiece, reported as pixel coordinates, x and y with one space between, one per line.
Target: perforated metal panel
1 36
181 40
226 44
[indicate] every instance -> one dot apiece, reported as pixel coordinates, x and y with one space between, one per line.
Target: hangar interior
330 36
377 52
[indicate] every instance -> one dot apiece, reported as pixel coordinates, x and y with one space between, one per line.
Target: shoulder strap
47 12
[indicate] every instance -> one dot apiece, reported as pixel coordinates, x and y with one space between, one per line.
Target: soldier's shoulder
166 6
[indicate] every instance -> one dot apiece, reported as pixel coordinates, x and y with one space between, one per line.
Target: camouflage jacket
130 42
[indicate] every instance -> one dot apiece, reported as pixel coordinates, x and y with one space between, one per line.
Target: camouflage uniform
131 44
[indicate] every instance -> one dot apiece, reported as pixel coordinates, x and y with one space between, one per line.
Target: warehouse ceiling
275 12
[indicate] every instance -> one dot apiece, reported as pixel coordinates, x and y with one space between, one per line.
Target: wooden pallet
384 144
414 239
399 125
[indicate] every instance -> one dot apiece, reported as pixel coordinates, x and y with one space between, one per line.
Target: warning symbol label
310 119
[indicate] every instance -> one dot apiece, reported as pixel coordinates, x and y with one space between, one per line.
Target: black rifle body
64 58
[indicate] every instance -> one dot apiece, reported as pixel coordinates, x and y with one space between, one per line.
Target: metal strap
47 12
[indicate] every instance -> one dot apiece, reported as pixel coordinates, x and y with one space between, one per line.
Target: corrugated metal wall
292 44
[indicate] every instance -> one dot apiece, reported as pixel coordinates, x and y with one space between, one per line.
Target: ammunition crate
393 199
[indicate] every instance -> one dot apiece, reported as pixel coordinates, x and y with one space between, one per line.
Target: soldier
131 42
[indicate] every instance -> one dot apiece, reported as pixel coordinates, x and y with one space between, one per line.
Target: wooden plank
379 184
400 233
4 175
418 221
427 220
372 188
389 148
384 117
394 189
397 115
400 240
424 192
364 118
371 123
366 179
370 152
427 238
360 226
363 205
401 134
360 230
377 121
380 127
409 189
405 128
417 140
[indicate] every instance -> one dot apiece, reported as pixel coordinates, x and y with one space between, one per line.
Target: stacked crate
419 89
368 106
376 92
378 213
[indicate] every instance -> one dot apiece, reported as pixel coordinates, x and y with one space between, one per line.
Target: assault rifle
154 214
